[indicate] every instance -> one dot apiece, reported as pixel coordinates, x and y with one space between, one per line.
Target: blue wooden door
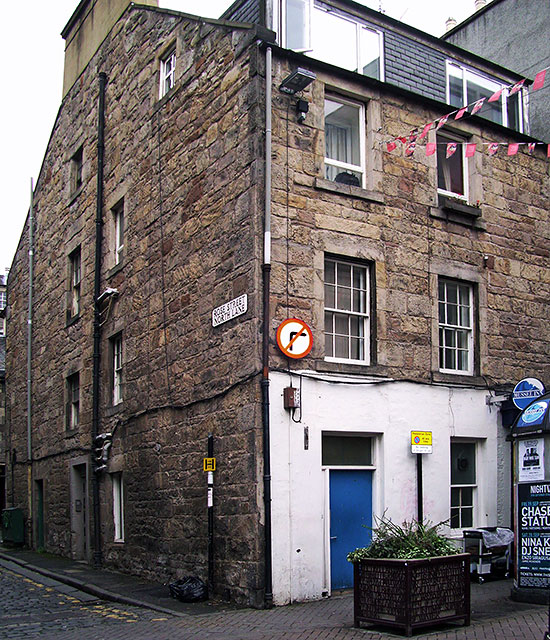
350 515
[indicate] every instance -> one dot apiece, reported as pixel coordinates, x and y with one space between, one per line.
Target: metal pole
98 556
29 362
210 519
420 497
266 273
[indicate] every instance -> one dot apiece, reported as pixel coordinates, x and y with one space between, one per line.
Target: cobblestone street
36 606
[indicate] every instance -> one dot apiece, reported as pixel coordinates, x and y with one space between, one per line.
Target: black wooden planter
407 594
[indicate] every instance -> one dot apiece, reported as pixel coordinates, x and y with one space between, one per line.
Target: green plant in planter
406 542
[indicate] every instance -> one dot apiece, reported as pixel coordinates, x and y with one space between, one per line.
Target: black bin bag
189 589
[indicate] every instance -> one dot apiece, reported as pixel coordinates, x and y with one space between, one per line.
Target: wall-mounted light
298 80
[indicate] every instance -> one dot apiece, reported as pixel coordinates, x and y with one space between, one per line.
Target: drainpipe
97 559
29 371
266 273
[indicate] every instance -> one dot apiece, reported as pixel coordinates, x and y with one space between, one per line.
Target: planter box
407 594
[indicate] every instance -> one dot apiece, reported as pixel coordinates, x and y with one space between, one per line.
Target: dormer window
466 86
331 36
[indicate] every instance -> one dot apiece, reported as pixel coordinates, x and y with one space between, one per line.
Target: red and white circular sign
294 338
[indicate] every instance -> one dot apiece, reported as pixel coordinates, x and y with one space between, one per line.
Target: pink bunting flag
496 96
413 135
451 148
442 121
470 149
539 80
516 88
391 146
493 148
403 140
548 151
425 130
513 148
478 105
430 148
460 113
531 147
409 149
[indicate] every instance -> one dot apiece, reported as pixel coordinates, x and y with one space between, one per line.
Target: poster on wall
531 460
533 530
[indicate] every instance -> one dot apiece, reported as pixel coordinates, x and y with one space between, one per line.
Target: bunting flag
517 87
478 105
425 130
539 80
470 149
531 147
513 148
460 113
442 121
413 135
451 148
493 148
391 146
430 148
548 152
496 96
409 149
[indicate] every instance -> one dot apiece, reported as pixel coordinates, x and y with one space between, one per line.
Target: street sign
294 338
229 310
421 442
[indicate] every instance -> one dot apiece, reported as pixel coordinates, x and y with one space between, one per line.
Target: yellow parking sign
421 441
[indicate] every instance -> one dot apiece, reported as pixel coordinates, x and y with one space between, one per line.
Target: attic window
167 72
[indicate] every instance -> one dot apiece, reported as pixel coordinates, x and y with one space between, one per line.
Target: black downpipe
98 559
268 595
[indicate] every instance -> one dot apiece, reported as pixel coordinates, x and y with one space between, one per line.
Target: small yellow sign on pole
421 441
209 464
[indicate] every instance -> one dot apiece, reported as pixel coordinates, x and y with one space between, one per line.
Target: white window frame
460 487
118 231
167 71
281 5
117 355
486 82
444 326
3 299
75 267
461 150
364 316
358 27
77 163
344 166
118 506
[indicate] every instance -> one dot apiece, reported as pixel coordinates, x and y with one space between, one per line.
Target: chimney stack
479 4
450 23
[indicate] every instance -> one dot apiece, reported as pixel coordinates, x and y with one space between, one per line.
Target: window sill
116 269
72 320
114 409
459 379
333 366
458 211
74 195
70 433
349 190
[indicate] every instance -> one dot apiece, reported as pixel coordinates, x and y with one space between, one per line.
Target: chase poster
533 542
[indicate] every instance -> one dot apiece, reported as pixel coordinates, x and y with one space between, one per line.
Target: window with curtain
344 141
452 174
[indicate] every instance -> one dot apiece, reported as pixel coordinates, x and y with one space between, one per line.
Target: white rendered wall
388 411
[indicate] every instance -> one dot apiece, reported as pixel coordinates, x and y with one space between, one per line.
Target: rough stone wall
396 224
188 167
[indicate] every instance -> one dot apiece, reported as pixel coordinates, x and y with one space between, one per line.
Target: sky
31 54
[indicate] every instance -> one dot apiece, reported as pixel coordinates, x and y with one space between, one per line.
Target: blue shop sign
535 418
526 391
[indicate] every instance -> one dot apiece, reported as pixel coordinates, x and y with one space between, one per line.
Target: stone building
496 32
3 449
207 180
